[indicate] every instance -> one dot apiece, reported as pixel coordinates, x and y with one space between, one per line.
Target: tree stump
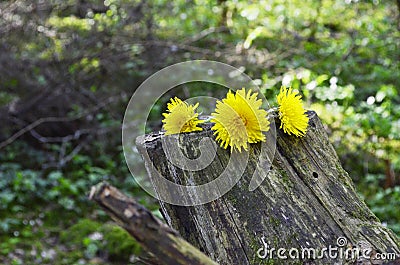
307 200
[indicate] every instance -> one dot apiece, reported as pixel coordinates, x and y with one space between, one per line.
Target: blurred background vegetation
68 68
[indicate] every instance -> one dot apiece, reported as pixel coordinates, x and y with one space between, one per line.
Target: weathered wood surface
306 201
164 243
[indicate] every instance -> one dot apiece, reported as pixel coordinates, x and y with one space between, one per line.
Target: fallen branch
154 236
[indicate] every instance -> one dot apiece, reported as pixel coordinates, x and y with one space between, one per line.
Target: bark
390 180
154 236
306 201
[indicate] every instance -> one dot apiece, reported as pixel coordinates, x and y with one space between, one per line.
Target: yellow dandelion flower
239 120
181 117
291 112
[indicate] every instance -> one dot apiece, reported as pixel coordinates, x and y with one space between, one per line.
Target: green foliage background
79 61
